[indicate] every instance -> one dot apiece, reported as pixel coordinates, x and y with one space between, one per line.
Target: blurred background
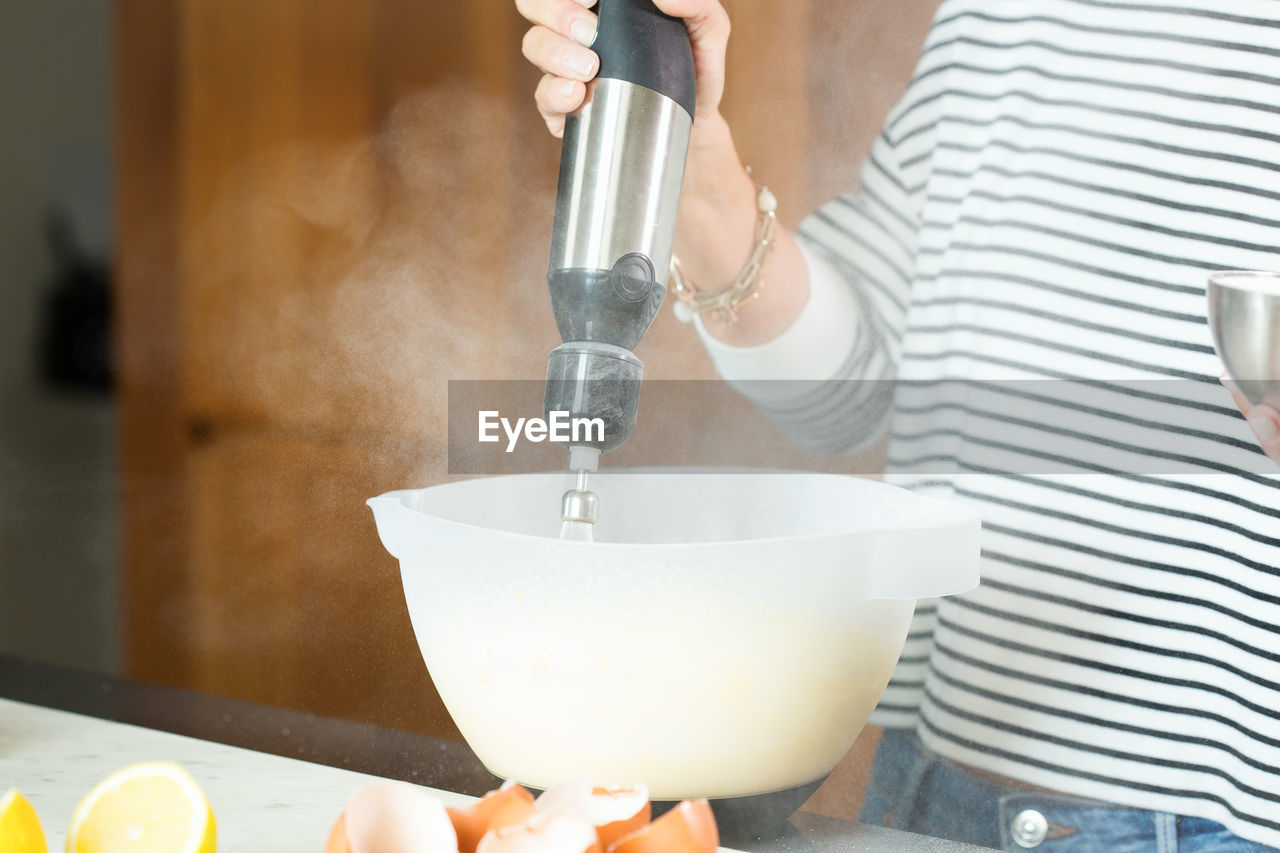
244 246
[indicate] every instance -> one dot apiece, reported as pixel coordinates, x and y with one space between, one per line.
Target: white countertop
260 802
264 802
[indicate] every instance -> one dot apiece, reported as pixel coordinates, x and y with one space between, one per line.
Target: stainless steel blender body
621 169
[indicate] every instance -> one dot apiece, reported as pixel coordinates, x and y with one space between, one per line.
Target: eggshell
571 797
543 833
614 812
338 837
509 804
619 812
398 819
688 828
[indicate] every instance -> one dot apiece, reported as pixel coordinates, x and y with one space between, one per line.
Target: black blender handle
639 44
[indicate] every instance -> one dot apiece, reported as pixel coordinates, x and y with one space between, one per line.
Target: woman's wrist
716 224
716 235
776 304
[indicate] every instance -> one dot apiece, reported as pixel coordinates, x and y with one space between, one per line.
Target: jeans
916 791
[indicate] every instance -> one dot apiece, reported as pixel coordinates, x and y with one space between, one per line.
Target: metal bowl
1244 315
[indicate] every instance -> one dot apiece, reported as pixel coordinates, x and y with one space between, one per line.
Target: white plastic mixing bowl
726 634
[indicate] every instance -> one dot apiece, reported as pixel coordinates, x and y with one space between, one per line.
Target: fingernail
1266 429
567 88
583 32
583 64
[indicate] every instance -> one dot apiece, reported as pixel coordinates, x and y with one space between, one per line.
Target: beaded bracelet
691 302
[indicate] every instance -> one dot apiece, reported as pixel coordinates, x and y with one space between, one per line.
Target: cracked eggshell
614 811
508 805
337 842
543 833
688 828
393 819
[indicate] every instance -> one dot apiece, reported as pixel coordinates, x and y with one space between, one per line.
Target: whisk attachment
579 508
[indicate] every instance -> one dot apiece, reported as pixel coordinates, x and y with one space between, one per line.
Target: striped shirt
1043 207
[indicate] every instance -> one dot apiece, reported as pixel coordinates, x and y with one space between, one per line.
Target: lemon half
153 807
20 830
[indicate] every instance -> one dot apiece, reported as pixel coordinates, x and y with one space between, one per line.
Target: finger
555 54
708 25
569 18
1242 402
704 18
556 97
688 9
1265 423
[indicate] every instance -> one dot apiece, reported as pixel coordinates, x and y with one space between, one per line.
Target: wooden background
327 209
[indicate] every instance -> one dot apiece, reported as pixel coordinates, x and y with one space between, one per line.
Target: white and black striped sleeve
823 382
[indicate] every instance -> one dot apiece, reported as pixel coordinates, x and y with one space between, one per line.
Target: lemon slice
153 807
20 830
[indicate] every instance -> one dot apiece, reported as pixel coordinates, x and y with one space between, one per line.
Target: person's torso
1079 168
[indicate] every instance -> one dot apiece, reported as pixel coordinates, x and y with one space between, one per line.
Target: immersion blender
621 169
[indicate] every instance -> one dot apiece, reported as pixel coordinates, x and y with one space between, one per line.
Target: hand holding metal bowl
1244 315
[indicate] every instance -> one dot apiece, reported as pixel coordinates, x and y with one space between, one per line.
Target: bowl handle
917 562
